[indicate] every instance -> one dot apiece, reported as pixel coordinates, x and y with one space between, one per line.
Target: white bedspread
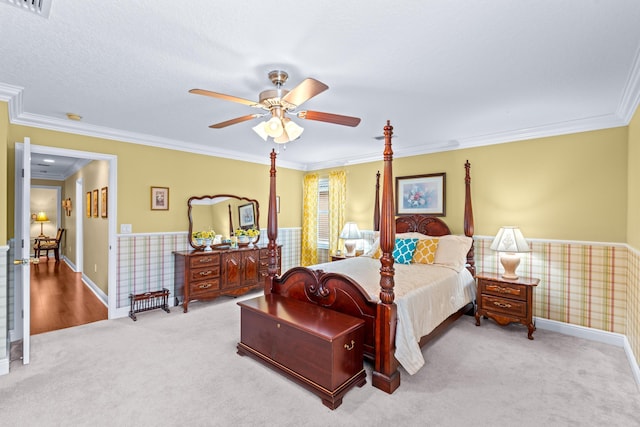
426 294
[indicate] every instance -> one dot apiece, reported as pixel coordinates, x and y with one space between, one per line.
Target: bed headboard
429 225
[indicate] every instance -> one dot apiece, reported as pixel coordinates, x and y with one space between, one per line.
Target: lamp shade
350 231
42 217
510 239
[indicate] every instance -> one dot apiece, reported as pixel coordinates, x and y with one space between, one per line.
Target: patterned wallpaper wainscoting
633 302
145 261
581 283
4 302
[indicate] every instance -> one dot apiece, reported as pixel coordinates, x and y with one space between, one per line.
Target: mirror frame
225 196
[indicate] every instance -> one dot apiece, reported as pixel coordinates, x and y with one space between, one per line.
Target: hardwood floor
59 299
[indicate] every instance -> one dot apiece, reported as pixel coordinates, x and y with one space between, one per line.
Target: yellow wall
571 187
186 174
633 195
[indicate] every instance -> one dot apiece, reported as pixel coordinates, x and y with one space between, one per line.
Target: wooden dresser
201 275
318 348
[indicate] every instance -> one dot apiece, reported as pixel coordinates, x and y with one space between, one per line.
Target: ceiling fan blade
225 97
304 91
234 121
330 118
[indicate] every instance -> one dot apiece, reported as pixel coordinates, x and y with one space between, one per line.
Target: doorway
108 297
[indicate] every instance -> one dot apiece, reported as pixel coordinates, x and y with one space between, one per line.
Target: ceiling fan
278 103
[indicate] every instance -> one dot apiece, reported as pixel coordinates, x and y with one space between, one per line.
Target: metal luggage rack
148 301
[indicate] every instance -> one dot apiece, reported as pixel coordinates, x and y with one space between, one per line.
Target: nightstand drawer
509 290
503 305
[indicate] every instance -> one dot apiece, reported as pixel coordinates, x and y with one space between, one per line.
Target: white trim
570 242
591 334
4 366
95 289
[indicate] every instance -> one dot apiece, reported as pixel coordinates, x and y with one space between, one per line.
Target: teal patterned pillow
403 252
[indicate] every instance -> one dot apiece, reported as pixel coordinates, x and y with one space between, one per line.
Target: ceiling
448 74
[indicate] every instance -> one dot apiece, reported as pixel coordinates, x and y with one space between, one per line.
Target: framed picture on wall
103 202
159 198
88 202
421 194
247 216
94 203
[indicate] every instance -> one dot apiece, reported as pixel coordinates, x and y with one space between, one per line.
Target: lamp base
350 247
510 262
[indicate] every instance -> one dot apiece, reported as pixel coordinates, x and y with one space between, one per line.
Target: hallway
59 298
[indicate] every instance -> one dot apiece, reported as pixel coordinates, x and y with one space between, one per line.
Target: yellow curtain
337 203
309 249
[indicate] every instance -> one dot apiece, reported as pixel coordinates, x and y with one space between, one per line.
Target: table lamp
41 217
510 241
350 233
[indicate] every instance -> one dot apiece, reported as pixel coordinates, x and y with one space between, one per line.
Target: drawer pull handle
205 273
205 286
203 260
502 304
350 347
503 290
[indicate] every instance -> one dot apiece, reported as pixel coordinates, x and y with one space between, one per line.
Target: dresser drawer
203 287
507 290
205 273
508 307
204 260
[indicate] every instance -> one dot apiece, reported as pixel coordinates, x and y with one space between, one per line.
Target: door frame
113 210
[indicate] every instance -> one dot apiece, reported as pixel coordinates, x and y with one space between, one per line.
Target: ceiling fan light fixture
260 130
293 129
273 127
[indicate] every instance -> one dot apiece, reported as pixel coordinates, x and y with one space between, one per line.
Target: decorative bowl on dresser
506 300
319 348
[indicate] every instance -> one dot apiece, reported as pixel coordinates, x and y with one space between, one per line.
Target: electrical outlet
125 228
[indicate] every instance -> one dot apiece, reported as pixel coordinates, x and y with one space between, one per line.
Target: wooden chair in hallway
49 244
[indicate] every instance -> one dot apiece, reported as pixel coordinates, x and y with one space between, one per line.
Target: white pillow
408 235
452 251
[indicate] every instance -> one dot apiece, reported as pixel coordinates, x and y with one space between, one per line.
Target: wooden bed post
385 375
376 207
272 228
468 218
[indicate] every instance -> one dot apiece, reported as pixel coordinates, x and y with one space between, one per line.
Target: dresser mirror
222 213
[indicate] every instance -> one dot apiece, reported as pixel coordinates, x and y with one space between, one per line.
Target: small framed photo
421 194
88 203
159 198
94 203
247 215
104 204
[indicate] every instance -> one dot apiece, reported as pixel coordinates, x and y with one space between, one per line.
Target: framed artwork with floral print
421 194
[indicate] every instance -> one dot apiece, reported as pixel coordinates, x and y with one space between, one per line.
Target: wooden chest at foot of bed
318 348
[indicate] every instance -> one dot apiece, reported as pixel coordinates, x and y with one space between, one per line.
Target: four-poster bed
343 293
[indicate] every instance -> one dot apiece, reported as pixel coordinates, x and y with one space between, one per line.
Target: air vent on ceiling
39 7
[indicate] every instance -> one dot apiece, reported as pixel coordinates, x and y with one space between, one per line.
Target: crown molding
628 105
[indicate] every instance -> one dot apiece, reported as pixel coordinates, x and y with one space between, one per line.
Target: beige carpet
182 369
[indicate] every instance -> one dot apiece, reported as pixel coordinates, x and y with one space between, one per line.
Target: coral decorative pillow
425 252
403 251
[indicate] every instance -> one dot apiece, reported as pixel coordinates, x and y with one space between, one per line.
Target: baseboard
96 290
611 338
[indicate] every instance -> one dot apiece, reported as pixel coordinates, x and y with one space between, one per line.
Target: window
323 213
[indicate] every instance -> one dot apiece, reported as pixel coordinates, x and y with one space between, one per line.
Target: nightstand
342 256
505 300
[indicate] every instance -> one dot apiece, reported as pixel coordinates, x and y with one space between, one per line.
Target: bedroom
557 196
